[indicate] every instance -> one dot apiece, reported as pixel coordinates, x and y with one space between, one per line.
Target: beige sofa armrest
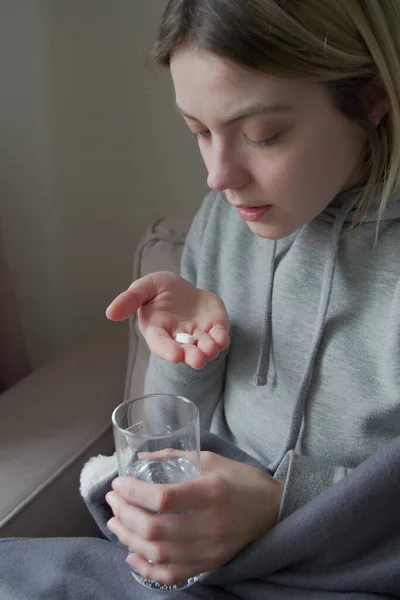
51 423
59 416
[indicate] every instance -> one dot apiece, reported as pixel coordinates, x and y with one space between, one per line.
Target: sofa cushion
160 250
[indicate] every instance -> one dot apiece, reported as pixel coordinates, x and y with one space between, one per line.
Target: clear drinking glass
149 424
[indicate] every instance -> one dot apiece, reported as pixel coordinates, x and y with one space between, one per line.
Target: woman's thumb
140 292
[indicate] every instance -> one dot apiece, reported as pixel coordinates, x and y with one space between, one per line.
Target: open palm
167 304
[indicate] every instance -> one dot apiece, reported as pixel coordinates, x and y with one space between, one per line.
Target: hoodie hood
392 209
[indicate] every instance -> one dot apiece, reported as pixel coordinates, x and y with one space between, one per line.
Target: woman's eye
199 135
266 142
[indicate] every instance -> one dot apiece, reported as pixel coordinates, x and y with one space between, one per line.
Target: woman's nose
225 172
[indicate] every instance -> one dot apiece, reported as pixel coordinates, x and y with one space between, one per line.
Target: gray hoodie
310 385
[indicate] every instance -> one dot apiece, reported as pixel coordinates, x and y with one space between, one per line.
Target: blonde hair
352 46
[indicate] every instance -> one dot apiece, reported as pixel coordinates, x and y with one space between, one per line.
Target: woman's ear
379 103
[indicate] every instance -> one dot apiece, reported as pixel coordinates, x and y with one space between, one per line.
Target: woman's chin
273 230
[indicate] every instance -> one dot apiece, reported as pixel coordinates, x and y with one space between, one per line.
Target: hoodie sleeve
304 479
203 387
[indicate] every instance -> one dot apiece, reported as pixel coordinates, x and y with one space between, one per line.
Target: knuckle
206 458
159 555
112 524
165 500
217 530
131 497
221 529
219 490
208 454
152 529
124 538
122 513
128 492
146 571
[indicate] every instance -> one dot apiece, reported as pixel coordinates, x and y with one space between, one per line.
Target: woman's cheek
281 178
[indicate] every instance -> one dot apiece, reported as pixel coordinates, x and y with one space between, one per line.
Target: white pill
184 338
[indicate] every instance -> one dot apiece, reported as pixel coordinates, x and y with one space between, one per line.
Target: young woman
290 287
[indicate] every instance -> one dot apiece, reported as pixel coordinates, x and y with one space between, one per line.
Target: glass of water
150 424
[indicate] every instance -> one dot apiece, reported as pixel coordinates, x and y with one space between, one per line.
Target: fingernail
109 497
131 560
110 525
116 485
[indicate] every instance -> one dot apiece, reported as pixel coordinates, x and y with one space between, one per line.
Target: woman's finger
220 335
164 454
172 497
167 574
201 350
162 345
160 552
182 552
162 527
206 344
194 357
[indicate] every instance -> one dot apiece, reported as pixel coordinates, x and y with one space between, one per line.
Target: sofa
60 415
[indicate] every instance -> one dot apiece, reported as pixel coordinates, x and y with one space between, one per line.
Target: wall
93 150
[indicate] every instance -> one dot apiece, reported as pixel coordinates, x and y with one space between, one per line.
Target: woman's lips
253 213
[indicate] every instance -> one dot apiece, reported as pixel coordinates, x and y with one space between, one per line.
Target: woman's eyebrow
249 111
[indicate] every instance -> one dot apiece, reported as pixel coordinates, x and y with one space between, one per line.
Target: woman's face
276 144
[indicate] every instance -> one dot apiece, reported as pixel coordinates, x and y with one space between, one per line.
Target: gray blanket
344 544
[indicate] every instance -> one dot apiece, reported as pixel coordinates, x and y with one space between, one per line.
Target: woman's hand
168 304
230 506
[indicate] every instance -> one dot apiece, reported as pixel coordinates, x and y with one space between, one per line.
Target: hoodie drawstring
264 357
261 377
